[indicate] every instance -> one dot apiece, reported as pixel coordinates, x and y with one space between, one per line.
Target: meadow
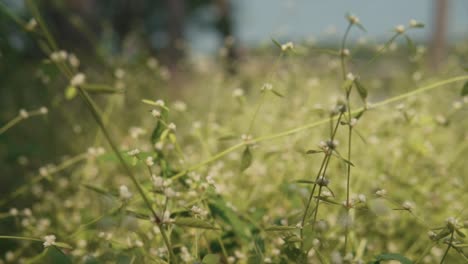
347 154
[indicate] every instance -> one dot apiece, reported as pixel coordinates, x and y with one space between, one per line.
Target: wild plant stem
448 248
87 99
323 167
342 54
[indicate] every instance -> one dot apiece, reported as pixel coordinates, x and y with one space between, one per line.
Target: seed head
149 161
32 24
353 19
124 193
172 126
23 113
155 113
322 181
43 110
78 79
237 93
287 46
267 87
400 29
49 240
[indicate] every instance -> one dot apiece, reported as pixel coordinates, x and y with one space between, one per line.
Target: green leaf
460 233
194 222
342 158
347 84
306 181
62 245
246 159
464 91
70 92
100 88
313 151
276 43
138 215
393 256
277 93
211 259
153 103
361 90
98 190
52 255
280 228
219 208
359 115
361 27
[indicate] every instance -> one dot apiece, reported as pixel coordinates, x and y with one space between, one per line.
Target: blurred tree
438 46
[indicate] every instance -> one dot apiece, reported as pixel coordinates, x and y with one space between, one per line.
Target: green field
342 154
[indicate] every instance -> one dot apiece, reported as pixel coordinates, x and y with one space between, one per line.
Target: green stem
21 238
448 248
10 124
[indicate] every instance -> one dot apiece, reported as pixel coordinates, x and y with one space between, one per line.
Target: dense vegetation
345 155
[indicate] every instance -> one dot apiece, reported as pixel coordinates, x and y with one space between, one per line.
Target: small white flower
287 46
345 52
353 122
407 205
167 217
159 145
155 113
350 76
27 212
322 181
152 63
160 103
172 126
451 221
119 73
362 198
431 234
124 193
23 113
381 192
457 105
238 93
43 171
139 243
73 60
58 56
353 19
400 29
180 106
209 180
149 161
9 256
169 192
31 25
43 110
158 181
133 152
78 79
267 87
13 211
198 211
49 240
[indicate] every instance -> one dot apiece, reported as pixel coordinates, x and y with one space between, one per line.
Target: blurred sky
257 21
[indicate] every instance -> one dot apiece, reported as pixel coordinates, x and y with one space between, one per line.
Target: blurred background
175 36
